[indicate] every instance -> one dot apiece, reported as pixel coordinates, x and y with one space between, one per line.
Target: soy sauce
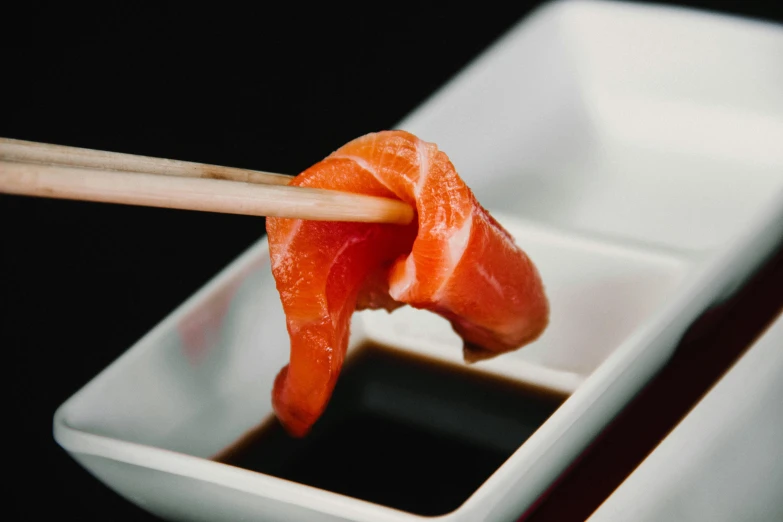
403 431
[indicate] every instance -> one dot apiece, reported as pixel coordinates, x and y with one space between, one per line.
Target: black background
245 87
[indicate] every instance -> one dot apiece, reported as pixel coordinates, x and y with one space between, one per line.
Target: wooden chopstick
33 152
23 171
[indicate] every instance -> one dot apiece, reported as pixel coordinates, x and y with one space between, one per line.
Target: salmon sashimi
454 260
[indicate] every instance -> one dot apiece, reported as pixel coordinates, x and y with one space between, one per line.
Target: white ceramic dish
724 461
634 153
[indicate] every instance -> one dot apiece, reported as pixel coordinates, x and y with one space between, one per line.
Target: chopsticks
54 171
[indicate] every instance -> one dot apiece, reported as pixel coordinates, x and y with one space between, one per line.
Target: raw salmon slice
454 260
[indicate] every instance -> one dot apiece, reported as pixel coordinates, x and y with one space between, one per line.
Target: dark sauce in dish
403 431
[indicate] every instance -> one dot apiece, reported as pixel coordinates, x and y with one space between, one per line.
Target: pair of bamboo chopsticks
54 171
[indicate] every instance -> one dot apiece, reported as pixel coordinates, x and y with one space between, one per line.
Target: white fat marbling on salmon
399 288
490 279
458 241
424 168
457 244
365 165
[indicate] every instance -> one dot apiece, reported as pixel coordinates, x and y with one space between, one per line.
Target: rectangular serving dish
724 461
632 150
